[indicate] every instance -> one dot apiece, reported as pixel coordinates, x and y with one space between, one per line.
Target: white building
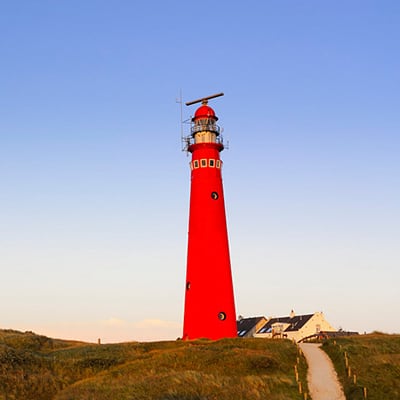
294 327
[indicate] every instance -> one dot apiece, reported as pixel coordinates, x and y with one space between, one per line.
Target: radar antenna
204 100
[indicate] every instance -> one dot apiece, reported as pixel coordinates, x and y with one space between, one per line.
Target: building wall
278 331
315 324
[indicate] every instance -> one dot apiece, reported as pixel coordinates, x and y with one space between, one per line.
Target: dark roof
296 323
244 325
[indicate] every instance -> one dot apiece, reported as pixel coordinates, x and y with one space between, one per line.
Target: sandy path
322 379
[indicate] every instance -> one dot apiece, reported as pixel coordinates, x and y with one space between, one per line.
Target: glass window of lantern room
196 163
203 162
211 162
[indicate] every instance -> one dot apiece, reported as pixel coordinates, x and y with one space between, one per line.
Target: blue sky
95 189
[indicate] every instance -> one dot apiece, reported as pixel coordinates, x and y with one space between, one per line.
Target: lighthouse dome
204 111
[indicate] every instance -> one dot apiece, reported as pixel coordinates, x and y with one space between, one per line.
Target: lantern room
204 127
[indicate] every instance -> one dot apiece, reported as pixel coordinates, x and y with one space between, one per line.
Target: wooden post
305 395
300 388
365 392
355 379
349 372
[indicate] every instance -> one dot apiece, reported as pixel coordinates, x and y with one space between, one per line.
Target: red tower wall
209 298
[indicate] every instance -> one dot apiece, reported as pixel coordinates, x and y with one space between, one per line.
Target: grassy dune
37 367
374 359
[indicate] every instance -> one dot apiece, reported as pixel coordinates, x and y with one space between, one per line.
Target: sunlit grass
36 367
374 360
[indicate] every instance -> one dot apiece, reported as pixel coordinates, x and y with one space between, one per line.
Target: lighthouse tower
209 299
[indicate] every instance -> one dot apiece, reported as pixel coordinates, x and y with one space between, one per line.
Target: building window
187 285
214 195
211 162
196 163
203 163
222 316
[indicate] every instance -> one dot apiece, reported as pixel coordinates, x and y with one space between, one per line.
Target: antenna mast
183 138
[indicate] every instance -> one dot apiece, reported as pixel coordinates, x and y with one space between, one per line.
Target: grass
36 367
373 358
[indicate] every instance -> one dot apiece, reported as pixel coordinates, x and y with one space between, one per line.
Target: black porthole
222 316
214 195
187 285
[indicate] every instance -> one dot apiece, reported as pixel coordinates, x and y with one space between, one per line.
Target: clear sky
94 194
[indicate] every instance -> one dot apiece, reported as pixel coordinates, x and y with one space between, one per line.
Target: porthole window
214 195
221 316
203 163
196 163
211 163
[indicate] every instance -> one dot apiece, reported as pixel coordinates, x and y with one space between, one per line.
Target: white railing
205 127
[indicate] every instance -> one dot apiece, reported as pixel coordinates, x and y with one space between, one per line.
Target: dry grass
374 359
35 367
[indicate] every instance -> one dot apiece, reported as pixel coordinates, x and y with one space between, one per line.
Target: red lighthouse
209 299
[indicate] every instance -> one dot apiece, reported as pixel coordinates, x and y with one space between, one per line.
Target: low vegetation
367 365
36 367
